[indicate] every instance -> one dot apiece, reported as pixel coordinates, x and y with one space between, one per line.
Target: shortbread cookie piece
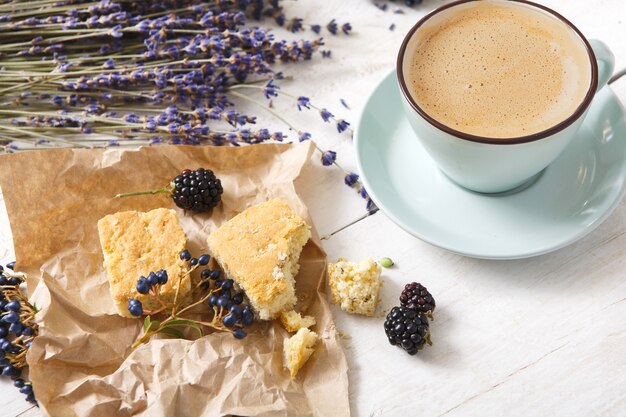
298 349
355 286
135 244
292 321
259 248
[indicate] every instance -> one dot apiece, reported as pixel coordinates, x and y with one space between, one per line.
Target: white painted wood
31 412
537 337
510 337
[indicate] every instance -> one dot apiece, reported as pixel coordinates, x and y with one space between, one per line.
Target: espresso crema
497 69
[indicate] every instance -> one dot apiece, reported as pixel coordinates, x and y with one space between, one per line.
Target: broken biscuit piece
293 321
259 249
137 243
355 286
298 349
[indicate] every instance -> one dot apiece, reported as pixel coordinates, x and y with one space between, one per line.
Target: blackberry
416 297
198 190
407 329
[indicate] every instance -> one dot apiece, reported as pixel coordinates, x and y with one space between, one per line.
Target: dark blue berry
235 310
28 331
3 280
16 328
215 274
12 371
162 276
229 320
11 265
31 398
227 284
3 331
247 310
193 261
3 304
205 273
4 361
11 317
238 298
143 286
14 349
134 307
239 333
225 293
185 255
224 302
153 279
247 319
204 259
13 306
19 383
26 389
213 300
218 283
14 281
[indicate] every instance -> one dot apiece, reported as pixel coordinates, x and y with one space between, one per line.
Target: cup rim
580 110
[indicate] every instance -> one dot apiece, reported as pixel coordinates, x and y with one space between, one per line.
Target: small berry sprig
198 190
407 325
228 312
17 329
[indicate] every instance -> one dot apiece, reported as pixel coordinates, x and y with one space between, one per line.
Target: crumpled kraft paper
82 364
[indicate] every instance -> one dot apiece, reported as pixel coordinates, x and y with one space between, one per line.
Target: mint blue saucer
567 201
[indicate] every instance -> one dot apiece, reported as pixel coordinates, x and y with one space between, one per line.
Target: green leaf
149 324
183 322
172 332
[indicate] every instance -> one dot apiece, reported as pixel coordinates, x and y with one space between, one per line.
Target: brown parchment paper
82 364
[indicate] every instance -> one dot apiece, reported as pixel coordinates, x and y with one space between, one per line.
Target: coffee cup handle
606 61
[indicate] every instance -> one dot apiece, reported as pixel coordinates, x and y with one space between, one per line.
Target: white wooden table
539 337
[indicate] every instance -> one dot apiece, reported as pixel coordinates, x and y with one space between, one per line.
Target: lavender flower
344 104
332 27
303 102
342 125
326 115
270 89
351 178
381 6
294 25
304 136
346 28
328 157
371 207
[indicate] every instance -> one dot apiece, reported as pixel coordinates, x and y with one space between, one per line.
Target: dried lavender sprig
167 35
271 90
328 157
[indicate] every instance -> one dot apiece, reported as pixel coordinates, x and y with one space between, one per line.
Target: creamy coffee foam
497 70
